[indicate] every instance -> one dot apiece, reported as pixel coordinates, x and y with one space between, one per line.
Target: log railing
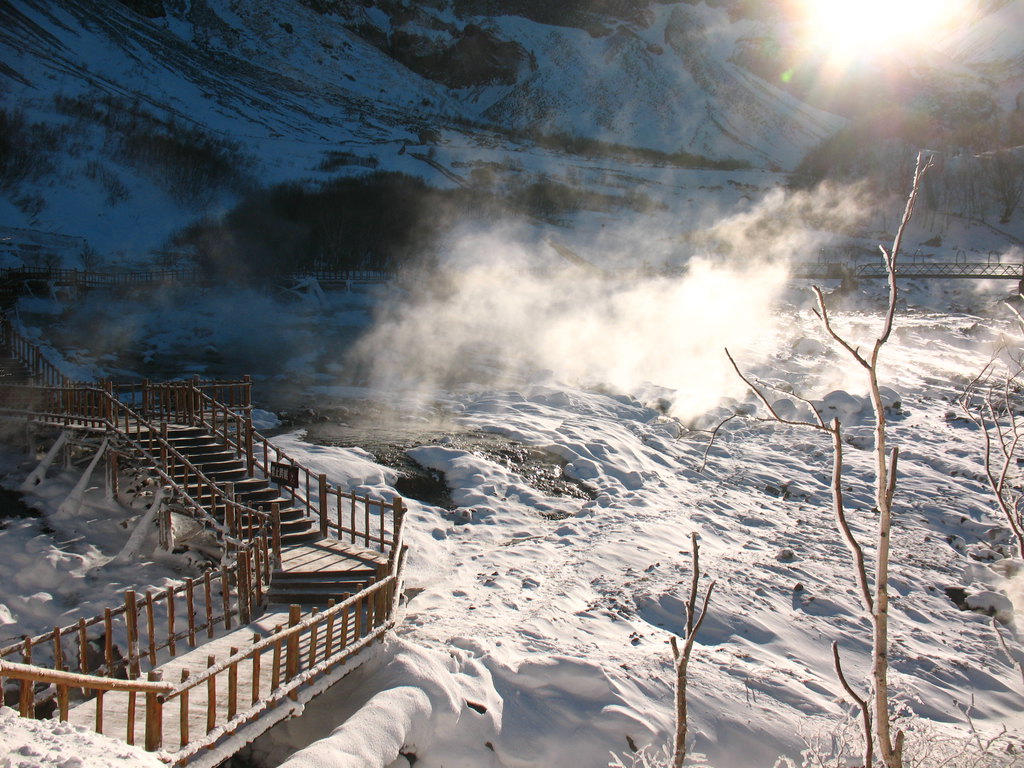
92 279
65 682
83 406
276 666
154 626
31 356
147 628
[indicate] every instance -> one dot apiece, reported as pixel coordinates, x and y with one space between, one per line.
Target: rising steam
504 313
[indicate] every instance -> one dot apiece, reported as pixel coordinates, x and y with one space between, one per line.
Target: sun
872 29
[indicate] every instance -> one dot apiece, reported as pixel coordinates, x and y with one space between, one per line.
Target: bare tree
873 584
993 400
682 656
1006 182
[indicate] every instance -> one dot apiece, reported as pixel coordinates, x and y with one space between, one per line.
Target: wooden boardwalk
310 574
222 702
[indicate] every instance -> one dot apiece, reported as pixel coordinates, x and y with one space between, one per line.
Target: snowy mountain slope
536 624
289 88
992 46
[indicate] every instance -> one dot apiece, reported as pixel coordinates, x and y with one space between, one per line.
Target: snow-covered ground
536 626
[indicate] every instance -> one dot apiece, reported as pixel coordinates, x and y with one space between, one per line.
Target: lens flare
868 29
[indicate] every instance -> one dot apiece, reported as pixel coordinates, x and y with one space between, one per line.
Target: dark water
12 506
389 443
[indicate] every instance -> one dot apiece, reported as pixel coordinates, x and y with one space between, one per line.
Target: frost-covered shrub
189 163
24 148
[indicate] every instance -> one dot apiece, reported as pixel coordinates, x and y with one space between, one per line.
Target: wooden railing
168 399
95 279
372 523
276 667
82 406
299 652
345 275
65 682
31 356
148 628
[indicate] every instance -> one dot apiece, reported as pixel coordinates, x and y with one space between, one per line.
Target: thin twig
860 701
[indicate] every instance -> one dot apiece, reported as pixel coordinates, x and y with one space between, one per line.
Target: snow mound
41 743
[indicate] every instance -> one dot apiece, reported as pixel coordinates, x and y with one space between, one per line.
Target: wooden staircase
225 468
238 649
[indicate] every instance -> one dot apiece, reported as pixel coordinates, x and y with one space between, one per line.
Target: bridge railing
89 407
167 399
65 682
294 655
91 279
145 629
369 522
31 356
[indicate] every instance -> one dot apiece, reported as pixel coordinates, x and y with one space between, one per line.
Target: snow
536 624
28 743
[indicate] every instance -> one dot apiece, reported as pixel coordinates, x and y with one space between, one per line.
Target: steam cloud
508 313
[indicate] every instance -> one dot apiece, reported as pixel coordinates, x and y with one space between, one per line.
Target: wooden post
26 699
343 637
358 618
260 563
225 593
312 641
329 640
83 650
154 715
208 593
99 711
255 670
366 520
275 669
131 617
275 511
108 642
250 459
292 656
108 401
62 702
242 586
232 685
352 510
322 479
211 696
58 650
130 724
183 712
191 610
151 627
170 622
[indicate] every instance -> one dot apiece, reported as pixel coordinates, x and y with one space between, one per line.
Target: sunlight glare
867 28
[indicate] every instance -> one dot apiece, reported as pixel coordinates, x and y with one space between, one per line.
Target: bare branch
838 508
862 705
711 442
769 407
823 314
682 658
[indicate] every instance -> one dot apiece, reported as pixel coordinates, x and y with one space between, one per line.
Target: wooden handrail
311 620
17 671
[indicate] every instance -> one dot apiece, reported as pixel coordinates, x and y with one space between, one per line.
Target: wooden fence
31 356
152 627
138 634
235 690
